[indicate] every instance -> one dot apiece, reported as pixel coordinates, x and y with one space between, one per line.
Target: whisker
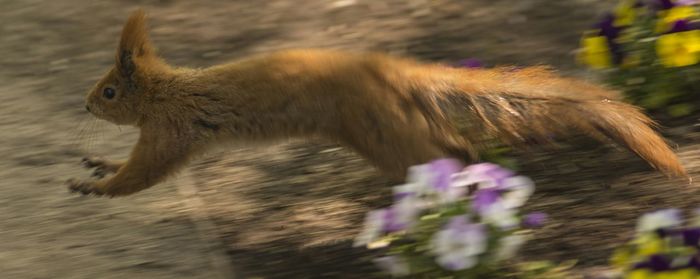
82 128
93 134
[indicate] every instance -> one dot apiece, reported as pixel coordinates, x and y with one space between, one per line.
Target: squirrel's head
119 97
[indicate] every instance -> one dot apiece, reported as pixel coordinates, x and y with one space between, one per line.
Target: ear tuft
135 35
134 43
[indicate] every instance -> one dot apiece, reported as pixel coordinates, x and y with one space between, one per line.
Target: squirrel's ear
134 44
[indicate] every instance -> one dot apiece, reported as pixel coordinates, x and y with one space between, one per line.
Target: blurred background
289 210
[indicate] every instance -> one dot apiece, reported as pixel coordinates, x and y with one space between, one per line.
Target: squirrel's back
381 105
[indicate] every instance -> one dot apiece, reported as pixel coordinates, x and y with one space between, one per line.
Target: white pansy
518 191
406 211
459 244
665 218
418 179
500 215
372 229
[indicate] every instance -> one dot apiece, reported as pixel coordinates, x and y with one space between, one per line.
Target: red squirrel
395 112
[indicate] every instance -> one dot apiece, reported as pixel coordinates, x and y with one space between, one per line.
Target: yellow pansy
649 244
679 49
621 258
686 273
668 17
625 13
595 52
640 274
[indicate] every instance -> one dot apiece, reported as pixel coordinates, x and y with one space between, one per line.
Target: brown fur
395 112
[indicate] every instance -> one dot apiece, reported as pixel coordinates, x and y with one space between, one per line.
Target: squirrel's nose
87 108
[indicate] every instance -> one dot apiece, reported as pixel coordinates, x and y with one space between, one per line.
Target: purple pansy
665 4
655 263
607 27
683 25
442 170
611 32
534 220
483 199
694 263
642 265
658 5
485 175
390 220
659 263
680 26
691 237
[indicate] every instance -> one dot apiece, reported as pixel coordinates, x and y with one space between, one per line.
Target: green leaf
679 110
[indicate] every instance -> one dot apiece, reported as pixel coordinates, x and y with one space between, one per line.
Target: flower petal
442 171
661 219
372 228
484 198
520 188
534 220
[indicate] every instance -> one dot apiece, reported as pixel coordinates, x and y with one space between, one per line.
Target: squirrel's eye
109 92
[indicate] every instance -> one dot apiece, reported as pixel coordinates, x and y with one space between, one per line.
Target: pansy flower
433 178
460 243
600 48
626 12
398 217
595 52
660 219
680 47
483 175
667 18
534 220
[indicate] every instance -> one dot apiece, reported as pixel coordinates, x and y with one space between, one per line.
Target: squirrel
395 112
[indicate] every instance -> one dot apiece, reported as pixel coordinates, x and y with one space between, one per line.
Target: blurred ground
285 211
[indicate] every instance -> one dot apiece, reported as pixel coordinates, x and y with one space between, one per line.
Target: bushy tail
522 105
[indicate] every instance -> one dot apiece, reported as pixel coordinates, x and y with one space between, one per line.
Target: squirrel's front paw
84 187
102 167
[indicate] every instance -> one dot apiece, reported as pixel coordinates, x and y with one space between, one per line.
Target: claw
99 172
84 188
89 162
